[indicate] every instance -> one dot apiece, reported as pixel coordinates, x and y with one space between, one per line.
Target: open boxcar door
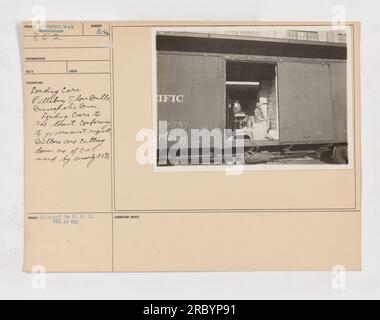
305 105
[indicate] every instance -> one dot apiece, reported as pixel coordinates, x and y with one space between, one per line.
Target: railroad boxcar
302 85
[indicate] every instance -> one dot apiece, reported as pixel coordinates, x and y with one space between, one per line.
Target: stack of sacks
264 107
260 130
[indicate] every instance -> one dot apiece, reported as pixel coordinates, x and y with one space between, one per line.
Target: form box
64 67
88 67
66 54
45 67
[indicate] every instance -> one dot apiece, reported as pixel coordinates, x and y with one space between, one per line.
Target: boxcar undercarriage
260 154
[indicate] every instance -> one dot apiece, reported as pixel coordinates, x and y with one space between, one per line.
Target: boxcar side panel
338 71
200 80
305 107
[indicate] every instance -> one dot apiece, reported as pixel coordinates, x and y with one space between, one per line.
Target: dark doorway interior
251 86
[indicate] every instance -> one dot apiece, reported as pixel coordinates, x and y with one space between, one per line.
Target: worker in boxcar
239 115
237 107
234 114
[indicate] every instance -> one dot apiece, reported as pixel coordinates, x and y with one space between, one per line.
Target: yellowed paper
101 195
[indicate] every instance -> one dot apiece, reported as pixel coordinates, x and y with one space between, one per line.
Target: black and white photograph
189 157
255 96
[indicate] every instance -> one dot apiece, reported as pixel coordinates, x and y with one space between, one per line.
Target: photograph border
238 169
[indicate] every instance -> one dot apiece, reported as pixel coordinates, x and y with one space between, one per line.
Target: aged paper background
118 216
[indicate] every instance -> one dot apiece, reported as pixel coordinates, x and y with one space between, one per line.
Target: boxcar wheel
341 155
326 156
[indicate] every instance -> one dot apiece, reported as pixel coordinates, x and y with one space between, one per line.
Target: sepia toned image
253 96
191 146
189 157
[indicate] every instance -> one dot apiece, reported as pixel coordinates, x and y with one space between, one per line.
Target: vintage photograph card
192 146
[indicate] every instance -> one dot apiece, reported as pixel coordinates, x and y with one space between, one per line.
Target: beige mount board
89 88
